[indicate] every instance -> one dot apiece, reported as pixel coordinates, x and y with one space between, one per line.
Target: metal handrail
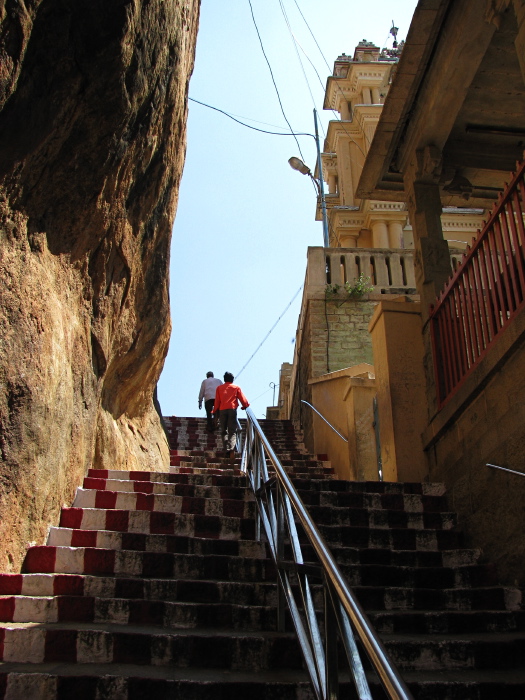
504 469
279 508
321 416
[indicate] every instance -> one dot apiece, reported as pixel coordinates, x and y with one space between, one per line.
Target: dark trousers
228 422
208 405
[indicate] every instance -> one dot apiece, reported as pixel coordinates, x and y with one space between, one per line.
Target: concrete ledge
504 347
404 304
361 371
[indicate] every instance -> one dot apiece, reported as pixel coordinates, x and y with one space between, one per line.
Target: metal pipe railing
279 508
321 416
504 469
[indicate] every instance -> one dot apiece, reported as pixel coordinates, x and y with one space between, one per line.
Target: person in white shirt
207 392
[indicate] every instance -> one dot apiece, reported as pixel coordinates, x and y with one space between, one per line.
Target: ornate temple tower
355 93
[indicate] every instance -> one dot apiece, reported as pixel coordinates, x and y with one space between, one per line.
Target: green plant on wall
360 286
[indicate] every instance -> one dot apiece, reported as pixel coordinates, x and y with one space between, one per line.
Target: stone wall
347 341
484 422
93 104
334 336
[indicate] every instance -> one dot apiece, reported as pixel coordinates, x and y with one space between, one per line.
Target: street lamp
297 164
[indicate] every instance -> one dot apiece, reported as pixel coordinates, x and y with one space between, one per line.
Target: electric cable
271 329
312 34
264 392
248 126
295 45
273 79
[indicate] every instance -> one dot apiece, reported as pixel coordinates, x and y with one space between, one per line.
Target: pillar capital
431 258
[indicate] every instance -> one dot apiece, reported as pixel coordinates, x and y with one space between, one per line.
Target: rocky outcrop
93 98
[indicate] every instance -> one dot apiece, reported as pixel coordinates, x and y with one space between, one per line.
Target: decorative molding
429 163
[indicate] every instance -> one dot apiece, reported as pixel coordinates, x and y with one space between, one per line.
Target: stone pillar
367 96
431 258
345 111
332 183
397 345
395 234
379 234
316 270
375 96
348 238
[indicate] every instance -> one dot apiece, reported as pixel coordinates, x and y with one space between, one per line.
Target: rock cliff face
93 100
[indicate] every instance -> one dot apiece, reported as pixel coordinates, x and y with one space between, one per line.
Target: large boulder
93 105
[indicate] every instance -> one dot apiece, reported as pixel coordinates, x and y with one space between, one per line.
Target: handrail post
280 557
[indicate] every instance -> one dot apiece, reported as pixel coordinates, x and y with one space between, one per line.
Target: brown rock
92 139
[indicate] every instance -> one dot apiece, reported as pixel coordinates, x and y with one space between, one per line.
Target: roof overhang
458 88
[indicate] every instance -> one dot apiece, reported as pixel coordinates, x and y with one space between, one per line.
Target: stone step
104 562
253 593
393 538
126 611
442 652
176 544
155 523
438 599
205 470
381 487
387 557
88 643
207 479
447 622
413 577
382 518
242 493
163 503
130 682
396 501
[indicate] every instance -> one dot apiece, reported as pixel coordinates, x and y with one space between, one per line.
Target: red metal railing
481 298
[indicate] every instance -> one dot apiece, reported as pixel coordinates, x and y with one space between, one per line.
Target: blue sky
245 218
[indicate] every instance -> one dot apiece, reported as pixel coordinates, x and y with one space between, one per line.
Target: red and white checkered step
107 562
163 503
160 523
174 544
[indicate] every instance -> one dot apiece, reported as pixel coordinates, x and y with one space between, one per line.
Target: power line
271 329
264 392
248 126
337 116
313 36
295 45
273 79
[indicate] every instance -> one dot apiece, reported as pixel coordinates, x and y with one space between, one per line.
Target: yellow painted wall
401 391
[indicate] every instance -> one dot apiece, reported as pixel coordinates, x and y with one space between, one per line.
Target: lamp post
297 164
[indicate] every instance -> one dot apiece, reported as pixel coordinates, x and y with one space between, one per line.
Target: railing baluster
489 293
330 635
480 303
280 556
502 266
514 216
484 293
510 256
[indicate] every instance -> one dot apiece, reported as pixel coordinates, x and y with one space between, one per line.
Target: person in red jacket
227 398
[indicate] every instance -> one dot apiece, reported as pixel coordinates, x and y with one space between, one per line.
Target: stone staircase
153 585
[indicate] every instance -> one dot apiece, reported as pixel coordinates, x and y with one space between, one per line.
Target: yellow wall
401 392
345 399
